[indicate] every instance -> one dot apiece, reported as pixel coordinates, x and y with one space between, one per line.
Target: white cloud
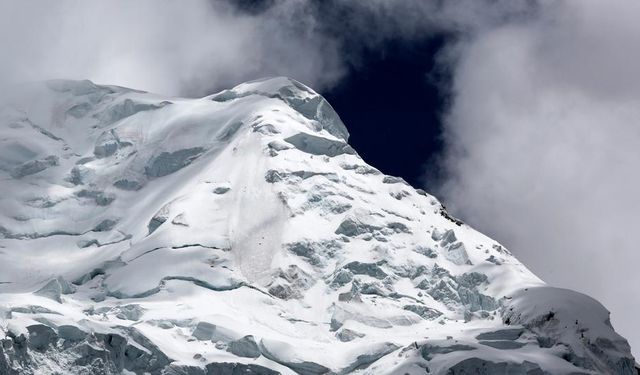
544 147
162 46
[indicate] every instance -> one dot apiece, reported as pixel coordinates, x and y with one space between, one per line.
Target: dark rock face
100 198
97 353
108 144
351 228
244 347
169 162
204 331
221 190
35 166
238 369
478 366
364 360
283 291
424 311
273 176
314 252
128 108
71 333
155 223
370 269
315 145
503 344
54 289
346 335
41 336
503 334
463 290
427 351
105 225
126 184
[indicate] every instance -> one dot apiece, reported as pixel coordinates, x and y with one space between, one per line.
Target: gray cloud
191 49
544 147
162 46
542 136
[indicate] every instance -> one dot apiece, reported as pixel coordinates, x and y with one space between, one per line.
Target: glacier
240 233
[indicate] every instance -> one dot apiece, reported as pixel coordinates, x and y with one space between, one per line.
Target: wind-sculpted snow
240 234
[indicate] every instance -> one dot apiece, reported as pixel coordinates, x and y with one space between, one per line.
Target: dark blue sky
392 97
391 102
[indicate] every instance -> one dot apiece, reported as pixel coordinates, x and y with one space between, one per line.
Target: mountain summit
239 233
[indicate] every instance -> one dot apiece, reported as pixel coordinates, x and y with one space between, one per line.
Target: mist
165 47
543 148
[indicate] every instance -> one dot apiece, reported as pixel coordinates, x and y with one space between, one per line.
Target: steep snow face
240 233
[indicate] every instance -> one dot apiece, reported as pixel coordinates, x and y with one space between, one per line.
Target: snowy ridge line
240 233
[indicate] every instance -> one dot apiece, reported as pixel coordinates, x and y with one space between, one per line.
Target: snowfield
239 233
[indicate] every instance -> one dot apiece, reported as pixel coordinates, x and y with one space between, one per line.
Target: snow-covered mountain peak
298 96
240 233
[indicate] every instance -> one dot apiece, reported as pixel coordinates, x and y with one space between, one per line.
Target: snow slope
240 234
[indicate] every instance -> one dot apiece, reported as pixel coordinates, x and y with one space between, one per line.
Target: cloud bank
542 134
173 47
543 147
167 47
